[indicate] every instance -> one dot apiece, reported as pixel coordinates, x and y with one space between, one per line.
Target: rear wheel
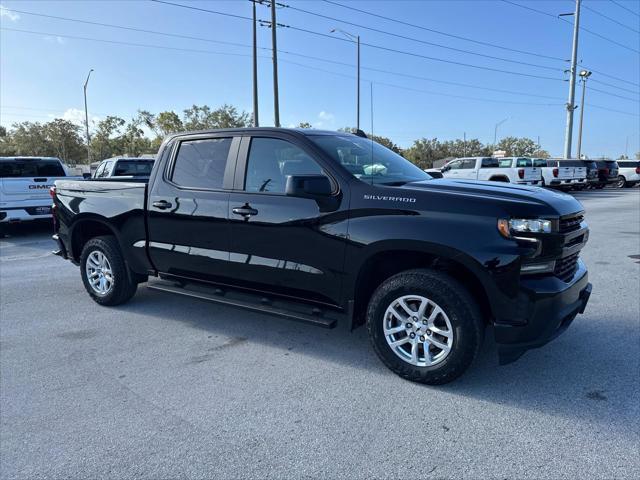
425 326
621 182
105 274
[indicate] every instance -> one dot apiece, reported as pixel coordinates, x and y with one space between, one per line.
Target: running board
248 302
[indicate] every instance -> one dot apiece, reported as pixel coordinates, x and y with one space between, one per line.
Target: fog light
532 268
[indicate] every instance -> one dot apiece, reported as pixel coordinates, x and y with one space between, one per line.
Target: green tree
385 141
107 140
168 123
203 118
305 125
424 151
28 138
64 139
516 147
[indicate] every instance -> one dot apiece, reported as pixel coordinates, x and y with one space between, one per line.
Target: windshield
30 167
369 161
133 167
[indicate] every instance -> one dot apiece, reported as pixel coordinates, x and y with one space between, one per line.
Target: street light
355 38
584 74
495 130
86 117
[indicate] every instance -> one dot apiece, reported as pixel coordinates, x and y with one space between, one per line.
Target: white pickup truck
24 187
510 169
563 174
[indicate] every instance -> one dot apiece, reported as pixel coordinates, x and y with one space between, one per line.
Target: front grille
570 223
566 267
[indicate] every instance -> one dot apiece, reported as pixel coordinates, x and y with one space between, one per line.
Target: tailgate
580 172
565 173
21 189
532 173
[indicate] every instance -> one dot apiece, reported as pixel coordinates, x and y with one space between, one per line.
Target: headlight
523 225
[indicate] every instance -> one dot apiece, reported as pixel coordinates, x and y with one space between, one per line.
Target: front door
284 244
189 231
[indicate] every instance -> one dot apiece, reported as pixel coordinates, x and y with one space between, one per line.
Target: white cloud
324 119
6 13
75 115
56 39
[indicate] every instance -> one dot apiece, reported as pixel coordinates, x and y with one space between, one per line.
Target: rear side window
201 163
37 167
506 163
627 164
490 163
523 162
539 162
133 167
552 163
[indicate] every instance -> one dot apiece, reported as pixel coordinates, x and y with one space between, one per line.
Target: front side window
201 163
506 162
523 162
369 161
106 169
99 170
272 160
469 163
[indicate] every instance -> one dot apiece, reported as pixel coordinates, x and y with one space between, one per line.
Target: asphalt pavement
167 387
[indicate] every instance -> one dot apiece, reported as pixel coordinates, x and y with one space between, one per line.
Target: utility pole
256 122
572 81
86 118
584 74
276 101
358 89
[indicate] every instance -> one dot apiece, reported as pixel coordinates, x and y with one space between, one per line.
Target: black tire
457 303
123 286
622 182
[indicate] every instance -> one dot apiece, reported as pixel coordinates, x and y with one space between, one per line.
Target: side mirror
308 186
445 168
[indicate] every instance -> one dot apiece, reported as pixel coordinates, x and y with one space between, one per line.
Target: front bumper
552 305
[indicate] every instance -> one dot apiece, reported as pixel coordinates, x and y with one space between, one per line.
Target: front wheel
105 274
425 326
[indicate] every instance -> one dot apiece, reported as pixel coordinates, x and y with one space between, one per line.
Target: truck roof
301 131
27 157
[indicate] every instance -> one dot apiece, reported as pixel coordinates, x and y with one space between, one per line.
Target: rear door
285 244
189 230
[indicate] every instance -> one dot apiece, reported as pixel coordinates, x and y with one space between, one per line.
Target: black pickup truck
332 228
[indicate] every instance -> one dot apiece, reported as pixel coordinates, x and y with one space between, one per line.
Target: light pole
495 131
355 38
256 122
584 74
86 117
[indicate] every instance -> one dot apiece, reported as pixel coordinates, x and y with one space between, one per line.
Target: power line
379 47
613 94
625 8
133 29
417 40
610 76
450 35
586 7
190 7
190 37
615 86
568 22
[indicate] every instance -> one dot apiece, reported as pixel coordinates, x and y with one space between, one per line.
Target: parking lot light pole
495 130
584 74
355 38
86 118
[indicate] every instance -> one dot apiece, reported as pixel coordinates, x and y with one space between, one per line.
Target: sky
426 74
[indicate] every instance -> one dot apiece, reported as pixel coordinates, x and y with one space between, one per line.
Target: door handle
246 211
162 204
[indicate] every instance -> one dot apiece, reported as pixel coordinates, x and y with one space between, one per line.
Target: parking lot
166 386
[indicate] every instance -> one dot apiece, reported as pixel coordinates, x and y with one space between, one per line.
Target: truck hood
507 193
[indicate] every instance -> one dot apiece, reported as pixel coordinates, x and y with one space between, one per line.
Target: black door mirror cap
308 186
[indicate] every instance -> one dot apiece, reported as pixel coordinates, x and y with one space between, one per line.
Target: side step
316 316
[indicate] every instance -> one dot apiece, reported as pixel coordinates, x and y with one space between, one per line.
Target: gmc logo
40 187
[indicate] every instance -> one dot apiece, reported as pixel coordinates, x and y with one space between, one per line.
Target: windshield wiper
397 183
